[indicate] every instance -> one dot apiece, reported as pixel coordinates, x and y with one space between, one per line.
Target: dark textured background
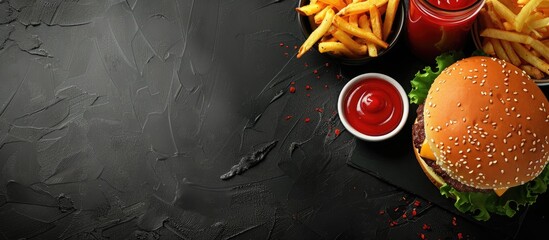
118 118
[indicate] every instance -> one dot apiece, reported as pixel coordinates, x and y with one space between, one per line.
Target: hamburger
481 134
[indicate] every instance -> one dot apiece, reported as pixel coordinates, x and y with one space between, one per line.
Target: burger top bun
487 123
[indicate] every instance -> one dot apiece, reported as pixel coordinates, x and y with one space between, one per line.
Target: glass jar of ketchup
437 26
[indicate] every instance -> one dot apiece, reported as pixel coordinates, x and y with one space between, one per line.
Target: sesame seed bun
487 124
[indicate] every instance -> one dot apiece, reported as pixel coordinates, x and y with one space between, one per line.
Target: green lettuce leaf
481 205
423 80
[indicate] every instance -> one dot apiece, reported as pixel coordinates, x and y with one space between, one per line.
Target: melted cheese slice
500 191
427 153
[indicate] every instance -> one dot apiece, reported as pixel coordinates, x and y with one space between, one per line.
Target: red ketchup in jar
437 26
373 107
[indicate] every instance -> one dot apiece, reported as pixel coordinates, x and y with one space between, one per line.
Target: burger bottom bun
433 177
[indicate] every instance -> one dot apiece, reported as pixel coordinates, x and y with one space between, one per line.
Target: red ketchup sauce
374 107
437 26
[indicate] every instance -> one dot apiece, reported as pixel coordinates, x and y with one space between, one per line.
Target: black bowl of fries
353 33
516 34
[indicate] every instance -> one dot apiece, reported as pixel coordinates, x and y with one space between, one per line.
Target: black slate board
394 162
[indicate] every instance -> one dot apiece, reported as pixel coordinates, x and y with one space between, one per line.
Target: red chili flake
307 120
417 203
286 54
337 131
287 46
422 236
460 235
381 212
306 64
320 110
315 71
393 223
396 209
426 227
308 87
339 76
414 212
292 83
288 117
281 44
404 215
308 95
317 77
295 46
454 221
292 89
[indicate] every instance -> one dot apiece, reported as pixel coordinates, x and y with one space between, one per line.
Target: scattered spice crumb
320 110
327 64
326 86
426 227
460 235
308 95
339 76
281 44
292 89
381 212
337 131
307 120
315 71
454 221
308 87
288 117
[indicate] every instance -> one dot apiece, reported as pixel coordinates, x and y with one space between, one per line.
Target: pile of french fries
518 31
349 28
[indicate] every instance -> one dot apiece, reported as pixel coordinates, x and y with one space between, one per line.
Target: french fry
520 21
364 23
351 44
532 71
511 54
310 9
320 15
335 47
530 58
506 35
375 18
498 49
539 23
339 4
390 13
317 33
361 7
503 11
488 48
355 31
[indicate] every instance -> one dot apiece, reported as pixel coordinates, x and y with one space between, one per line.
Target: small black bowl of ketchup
373 107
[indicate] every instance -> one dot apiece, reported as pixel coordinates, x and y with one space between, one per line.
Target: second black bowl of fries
516 33
354 33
